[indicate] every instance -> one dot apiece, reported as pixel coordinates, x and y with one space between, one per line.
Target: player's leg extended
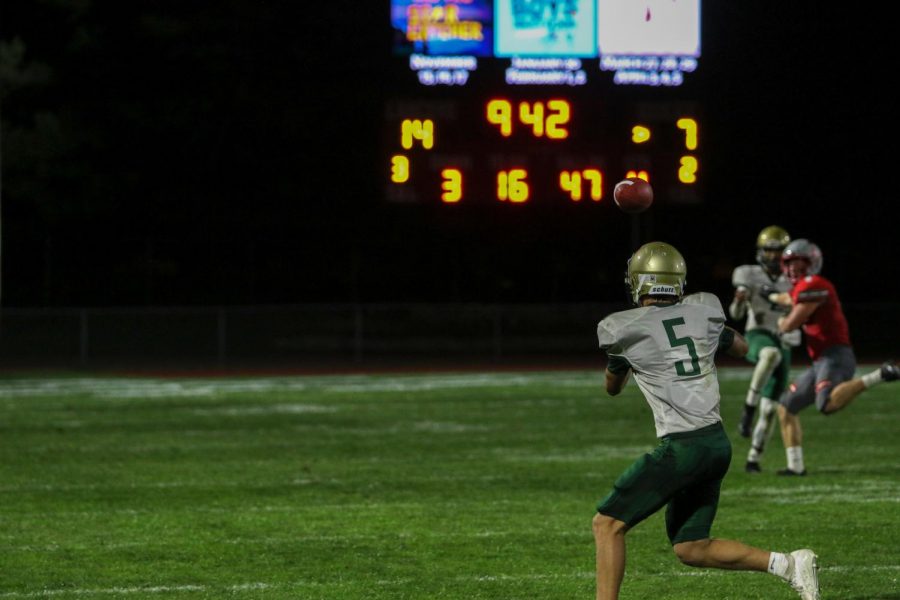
765 351
800 394
691 512
791 431
762 432
797 568
609 537
722 554
765 424
644 488
845 392
792 438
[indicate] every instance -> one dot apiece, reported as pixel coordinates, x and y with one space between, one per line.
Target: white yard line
363 581
129 388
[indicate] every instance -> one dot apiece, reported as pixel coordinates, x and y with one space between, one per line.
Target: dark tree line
228 153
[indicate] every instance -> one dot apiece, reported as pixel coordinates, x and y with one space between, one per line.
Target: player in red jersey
829 383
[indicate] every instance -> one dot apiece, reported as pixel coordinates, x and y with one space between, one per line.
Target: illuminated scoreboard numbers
412 130
521 138
642 174
499 112
512 185
399 168
640 134
532 114
573 183
451 186
688 165
559 114
548 119
690 132
687 172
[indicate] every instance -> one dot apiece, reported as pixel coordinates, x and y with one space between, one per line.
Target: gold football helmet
656 268
770 243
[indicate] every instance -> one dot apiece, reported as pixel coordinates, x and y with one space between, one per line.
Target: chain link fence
311 334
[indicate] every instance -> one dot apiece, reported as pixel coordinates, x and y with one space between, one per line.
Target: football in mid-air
633 195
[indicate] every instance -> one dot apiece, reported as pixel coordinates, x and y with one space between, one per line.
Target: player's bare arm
615 382
782 299
738 346
800 314
738 307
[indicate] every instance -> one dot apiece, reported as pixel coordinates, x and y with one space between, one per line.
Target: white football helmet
805 249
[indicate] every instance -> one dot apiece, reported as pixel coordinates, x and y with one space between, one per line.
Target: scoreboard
534 102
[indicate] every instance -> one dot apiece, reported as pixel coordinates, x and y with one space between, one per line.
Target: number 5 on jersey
674 340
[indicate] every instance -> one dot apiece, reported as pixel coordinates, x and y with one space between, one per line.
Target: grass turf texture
421 486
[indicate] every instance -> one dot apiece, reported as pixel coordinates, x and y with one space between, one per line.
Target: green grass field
457 486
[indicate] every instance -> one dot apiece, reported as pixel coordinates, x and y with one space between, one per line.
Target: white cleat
804 578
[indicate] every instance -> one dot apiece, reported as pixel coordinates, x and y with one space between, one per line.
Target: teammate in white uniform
769 350
669 342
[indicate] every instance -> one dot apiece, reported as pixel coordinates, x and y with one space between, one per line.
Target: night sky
227 154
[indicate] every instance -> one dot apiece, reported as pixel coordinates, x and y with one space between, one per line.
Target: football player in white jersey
769 351
669 342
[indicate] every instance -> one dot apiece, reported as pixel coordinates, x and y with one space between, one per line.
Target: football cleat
890 371
752 467
745 426
804 578
791 473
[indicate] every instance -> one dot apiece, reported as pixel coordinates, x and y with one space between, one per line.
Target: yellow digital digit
642 174
417 129
406 136
687 173
512 186
426 134
399 168
518 186
690 132
640 134
571 183
499 112
533 115
559 115
596 179
502 186
452 185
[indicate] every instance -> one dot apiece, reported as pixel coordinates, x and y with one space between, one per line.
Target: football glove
770 293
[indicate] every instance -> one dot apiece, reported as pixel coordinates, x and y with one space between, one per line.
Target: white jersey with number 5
671 350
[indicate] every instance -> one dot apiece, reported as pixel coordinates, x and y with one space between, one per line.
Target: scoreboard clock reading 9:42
535 102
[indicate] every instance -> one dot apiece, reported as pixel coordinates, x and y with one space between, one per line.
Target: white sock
763 430
769 359
780 564
873 378
754 455
768 407
795 459
752 397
